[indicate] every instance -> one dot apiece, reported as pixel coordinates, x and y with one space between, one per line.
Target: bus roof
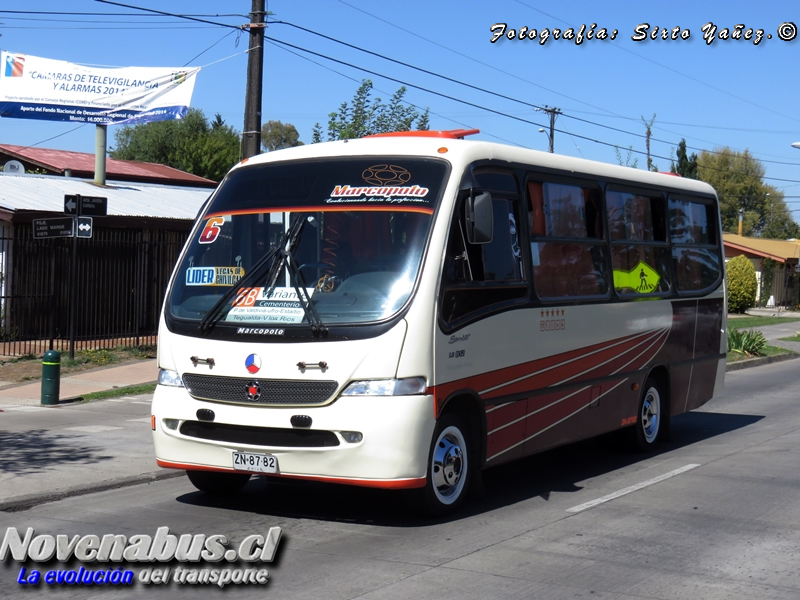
461 152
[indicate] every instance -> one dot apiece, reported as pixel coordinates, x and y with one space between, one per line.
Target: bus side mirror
479 218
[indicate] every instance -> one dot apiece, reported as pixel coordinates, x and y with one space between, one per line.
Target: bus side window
695 247
568 253
639 249
477 277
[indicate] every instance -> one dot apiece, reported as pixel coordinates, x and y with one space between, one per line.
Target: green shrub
742 284
749 342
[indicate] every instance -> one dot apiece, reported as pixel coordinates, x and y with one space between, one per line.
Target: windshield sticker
384 195
282 306
211 230
214 276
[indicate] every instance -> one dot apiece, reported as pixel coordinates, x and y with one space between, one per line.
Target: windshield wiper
280 255
215 312
286 259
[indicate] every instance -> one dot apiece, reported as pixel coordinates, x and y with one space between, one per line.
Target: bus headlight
386 387
170 378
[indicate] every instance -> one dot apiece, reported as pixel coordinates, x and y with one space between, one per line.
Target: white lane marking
141 402
633 488
142 420
92 428
114 400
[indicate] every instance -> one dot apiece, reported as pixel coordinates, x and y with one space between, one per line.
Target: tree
687 165
367 116
627 161
742 284
778 221
737 177
191 144
276 135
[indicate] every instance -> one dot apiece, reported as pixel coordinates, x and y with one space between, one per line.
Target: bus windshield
335 241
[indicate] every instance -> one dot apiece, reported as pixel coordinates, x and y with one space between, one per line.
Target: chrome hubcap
449 465
651 407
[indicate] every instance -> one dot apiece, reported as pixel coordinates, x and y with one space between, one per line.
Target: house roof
46 193
779 250
81 164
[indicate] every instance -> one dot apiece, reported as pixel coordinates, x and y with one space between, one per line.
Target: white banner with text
53 90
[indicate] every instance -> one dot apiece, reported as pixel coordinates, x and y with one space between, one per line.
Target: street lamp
549 139
796 145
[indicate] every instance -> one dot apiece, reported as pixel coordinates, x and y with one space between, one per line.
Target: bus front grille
260 436
251 390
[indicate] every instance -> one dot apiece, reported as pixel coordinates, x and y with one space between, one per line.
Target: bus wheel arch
455 458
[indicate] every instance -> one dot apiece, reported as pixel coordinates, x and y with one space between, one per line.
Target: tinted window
566 228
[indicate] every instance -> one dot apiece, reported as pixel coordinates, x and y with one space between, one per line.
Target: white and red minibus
405 310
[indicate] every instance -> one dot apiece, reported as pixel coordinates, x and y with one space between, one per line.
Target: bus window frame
667 243
598 185
456 216
717 246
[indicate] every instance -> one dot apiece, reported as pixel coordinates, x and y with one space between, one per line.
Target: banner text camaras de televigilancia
41 88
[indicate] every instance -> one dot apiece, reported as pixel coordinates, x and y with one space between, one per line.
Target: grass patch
132 390
794 338
747 322
766 351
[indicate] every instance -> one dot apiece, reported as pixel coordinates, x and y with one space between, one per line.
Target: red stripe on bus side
508 427
576 370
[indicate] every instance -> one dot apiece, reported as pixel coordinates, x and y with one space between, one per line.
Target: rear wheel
214 482
449 466
650 415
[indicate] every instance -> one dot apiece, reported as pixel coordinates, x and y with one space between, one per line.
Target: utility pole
251 136
553 112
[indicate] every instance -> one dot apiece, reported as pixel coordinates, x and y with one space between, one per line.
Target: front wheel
449 469
215 482
650 416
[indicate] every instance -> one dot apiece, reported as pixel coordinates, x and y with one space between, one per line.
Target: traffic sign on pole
71 204
92 206
52 228
84 227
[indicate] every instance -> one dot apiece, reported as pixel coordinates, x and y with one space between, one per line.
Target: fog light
352 437
171 423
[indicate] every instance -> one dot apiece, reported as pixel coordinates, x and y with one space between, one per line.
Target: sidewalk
83 382
49 453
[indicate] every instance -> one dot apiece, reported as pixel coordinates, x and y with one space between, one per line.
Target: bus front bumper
392 453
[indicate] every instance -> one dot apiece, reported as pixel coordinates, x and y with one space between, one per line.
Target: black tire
649 417
215 482
450 467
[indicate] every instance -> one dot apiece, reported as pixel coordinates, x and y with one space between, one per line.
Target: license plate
258 463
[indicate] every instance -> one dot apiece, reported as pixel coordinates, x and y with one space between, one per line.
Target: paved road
714 515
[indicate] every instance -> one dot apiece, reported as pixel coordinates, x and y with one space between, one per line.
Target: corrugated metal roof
780 250
82 165
46 193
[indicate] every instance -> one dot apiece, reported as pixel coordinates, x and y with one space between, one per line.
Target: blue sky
728 93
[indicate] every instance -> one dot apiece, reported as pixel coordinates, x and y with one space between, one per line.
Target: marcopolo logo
386 175
162 547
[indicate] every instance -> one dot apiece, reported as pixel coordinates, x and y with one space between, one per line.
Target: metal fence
120 281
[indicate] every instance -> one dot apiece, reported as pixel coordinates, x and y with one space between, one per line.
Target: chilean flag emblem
252 363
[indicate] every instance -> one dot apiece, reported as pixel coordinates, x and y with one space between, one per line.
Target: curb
760 361
20 503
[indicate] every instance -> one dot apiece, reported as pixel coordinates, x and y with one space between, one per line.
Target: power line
500 113
161 12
